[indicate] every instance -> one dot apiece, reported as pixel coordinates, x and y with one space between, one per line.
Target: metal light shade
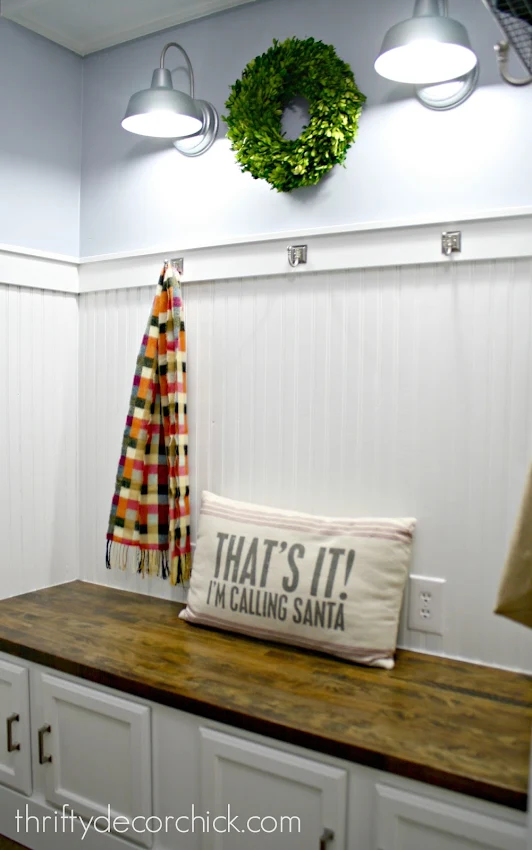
161 111
164 113
427 48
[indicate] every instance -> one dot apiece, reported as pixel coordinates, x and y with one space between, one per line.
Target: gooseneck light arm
189 63
502 50
431 8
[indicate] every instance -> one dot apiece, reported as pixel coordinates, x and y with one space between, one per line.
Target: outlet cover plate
425 604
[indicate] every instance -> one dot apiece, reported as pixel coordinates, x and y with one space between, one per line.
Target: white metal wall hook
451 242
176 262
297 255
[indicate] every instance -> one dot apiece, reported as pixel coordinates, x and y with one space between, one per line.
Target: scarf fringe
148 562
181 567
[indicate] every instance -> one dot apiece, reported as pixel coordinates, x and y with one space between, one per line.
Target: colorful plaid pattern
150 514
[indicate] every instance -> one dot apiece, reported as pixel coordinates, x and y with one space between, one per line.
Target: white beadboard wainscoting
392 392
38 439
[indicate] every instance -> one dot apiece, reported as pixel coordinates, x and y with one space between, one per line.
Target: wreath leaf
304 68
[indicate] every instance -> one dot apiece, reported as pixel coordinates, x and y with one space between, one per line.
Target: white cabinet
407 821
92 751
15 750
96 752
277 799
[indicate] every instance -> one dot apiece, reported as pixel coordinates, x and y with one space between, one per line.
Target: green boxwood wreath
294 68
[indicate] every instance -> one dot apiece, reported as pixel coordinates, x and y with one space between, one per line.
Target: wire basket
515 19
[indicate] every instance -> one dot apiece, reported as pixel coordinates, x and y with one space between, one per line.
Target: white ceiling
85 26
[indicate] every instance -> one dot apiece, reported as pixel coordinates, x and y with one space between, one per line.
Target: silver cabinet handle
326 838
44 730
11 747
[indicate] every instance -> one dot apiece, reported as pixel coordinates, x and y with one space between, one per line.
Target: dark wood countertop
460 726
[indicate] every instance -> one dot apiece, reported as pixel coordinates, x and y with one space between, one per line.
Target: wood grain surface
7 844
457 725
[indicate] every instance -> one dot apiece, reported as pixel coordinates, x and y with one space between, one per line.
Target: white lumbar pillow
331 584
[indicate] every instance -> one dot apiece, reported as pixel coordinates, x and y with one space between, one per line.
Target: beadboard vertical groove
38 439
404 391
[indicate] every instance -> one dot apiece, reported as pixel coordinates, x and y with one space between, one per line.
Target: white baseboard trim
491 238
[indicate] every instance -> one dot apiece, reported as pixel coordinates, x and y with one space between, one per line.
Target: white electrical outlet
425 604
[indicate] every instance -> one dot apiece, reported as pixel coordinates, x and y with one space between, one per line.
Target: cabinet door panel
298 798
407 821
100 754
15 766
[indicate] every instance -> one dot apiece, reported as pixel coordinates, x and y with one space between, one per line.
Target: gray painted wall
408 162
40 142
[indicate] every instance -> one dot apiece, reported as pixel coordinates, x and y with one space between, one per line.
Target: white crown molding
25 20
491 238
20 11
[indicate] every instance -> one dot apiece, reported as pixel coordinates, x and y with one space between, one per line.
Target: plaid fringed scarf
149 526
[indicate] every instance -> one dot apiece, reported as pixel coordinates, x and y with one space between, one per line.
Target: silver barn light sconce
431 51
515 19
164 113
